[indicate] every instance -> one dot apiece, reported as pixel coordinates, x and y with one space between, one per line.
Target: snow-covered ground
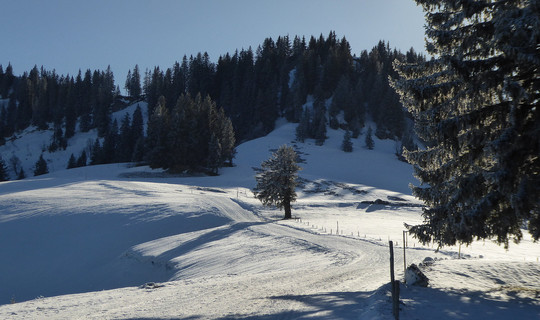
117 241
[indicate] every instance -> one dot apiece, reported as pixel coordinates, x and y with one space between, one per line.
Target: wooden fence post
404 257
395 284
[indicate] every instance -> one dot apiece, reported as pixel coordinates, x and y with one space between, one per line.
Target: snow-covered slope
88 239
29 144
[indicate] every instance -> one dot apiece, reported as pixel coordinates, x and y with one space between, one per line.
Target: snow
82 243
31 142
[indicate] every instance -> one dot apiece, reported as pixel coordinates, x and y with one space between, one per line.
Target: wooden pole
404 258
395 284
391 262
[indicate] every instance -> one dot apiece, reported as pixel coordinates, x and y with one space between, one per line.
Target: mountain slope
215 252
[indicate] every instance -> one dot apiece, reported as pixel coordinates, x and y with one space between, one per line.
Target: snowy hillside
123 242
29 144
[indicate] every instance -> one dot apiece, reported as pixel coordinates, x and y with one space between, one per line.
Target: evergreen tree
226 137
347 143
81 160
3 116
41 166
127 85
70 116
133 83
477 107
72 163
96 157
21 174
182 126
370 144
11 123
58 140
135 90
4 176
214 155
125 140
85 100
320 134
137 129
139 150
342 100
359 109
303 128
157 137
15 164
277 180
110 144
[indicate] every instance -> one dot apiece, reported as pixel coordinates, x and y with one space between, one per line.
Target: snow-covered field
116 241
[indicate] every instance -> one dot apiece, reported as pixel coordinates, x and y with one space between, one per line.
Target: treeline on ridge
251 88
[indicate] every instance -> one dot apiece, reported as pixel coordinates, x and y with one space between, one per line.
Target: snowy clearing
121 242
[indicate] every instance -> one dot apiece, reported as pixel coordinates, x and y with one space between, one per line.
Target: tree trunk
287 207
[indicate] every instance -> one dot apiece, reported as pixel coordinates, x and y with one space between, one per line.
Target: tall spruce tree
157 138
72 162
214 155
370 144
125 143
303 128
3 170
81 160
277 180
477 106
21 175
96 156
347 145
41 166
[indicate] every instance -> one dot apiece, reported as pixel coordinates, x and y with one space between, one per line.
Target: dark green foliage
277 180
137 125
72 163
41 166
221 127
370 144
110 144
320 133
70 111
125 143
3 116
303 129
253 88
15 164
214 155
133 83
182 140
157 136
139 150
4 176
21 174
476 105
318 126
347 145
58 140
96 156
342 101
82 159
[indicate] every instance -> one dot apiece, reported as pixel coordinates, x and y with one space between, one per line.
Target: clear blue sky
68 35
